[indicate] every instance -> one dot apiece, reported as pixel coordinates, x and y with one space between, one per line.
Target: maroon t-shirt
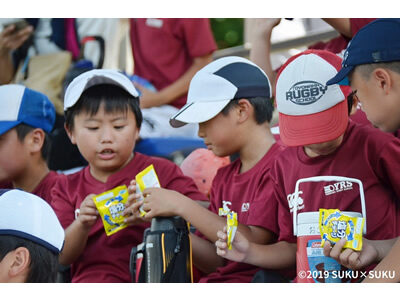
366 154
106 258
164 49
244 194
43 189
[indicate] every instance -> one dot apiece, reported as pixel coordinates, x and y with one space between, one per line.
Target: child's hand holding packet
146 179
334 225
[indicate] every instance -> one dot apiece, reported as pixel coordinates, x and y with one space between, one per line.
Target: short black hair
366 69
115 98
44 263
263 108
22 131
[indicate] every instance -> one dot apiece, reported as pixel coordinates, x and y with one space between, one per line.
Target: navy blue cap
378 41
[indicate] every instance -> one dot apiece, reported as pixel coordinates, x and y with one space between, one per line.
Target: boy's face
105 140
326 148
381 107
13 156
219 134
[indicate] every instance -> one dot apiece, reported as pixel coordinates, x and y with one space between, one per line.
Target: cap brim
197 112
341 77
96 77
7 125
315 128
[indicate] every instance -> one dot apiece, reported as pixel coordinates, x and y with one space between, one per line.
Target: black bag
165 254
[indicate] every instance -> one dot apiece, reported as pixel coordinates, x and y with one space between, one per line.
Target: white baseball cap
30 217
215 85
310 112
96 77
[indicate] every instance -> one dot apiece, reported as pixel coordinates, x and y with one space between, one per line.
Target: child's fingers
132 198
221 244
132 187
337 249
354 260
132 209
87 218
133 219
149 215
221 235
221 247
327 248
221 252
88 211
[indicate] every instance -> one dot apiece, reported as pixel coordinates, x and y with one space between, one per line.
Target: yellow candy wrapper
231 227
110 205
146 179
222 212
334 225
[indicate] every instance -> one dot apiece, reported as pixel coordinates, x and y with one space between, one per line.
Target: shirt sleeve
357 23
198 36
263 209
285 220
388 165
284 217
61 203
172 178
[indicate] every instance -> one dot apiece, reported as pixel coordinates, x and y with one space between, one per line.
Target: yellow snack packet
231 227
110 205
146 179
222 212
334 225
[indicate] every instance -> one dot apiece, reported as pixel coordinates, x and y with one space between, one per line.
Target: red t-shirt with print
244 194
366 154
106 258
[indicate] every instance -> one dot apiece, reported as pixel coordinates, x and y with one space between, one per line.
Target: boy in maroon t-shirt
103 119
323 142
230 98
26 119
372 68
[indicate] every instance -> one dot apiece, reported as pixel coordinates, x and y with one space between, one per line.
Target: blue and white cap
96 77
28 216
19 104
215 85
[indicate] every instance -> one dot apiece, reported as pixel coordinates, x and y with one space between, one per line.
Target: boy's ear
36 139
70 135
354 106
20 263
245 110
383 79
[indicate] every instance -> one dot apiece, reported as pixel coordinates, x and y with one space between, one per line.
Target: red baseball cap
310 112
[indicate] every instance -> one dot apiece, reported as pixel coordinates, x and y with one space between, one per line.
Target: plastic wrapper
231 227
146 179
110 205
334 225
